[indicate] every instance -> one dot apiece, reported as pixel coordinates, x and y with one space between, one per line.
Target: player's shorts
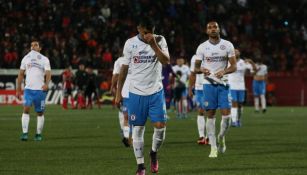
67 92
184 93
124 107
141 107
237 95
216 97
199 94
36 97
259 87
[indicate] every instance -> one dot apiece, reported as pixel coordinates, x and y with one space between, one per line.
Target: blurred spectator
72 31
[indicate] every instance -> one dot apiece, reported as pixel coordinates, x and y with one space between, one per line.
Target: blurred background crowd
94 32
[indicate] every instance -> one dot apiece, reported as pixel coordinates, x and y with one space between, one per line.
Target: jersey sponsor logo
143 52
134 46
222 47
215 59
144 59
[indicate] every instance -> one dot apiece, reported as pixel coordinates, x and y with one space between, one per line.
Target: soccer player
37 68
237 87
216 53
182 104
67 77
196 82
259 85
80 81
123 111
146 52
91 87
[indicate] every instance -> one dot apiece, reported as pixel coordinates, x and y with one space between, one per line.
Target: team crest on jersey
134 46
132 117
222 47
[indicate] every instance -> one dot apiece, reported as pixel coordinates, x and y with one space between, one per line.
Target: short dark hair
147 23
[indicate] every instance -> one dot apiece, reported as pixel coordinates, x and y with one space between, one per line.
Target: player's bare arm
21 75
192 80
151 40
121 80
47 80
232 68
114 83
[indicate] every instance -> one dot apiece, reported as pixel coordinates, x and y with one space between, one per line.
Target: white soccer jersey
185 72
199 77
117 66
262 70
146 70
215 58
35 64
236 79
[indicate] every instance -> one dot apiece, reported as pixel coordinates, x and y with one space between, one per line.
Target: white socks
121 120
263 101
234 114
40 124
184 106
138 143
211 131
157 138
126 131
256 103
25 119
201 125
225 124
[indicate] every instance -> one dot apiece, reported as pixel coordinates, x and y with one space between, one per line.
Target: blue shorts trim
216 97
36 97
259 87
237 95
152 106
199 94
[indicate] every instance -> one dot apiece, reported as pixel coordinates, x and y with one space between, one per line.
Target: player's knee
138 133
159 125
201 112
26 110
39 114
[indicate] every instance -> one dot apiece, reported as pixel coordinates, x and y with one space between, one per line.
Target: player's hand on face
45 87
220 74
149 38
205 71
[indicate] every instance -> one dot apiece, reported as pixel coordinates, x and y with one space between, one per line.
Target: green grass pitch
87 142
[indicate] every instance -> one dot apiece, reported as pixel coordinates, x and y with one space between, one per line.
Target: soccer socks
138 143
225 123
72 101
25 119
211 132
158 138
64 105
126 131
201 125
40 124
121 120
234 114
256 103
185 107
263 101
